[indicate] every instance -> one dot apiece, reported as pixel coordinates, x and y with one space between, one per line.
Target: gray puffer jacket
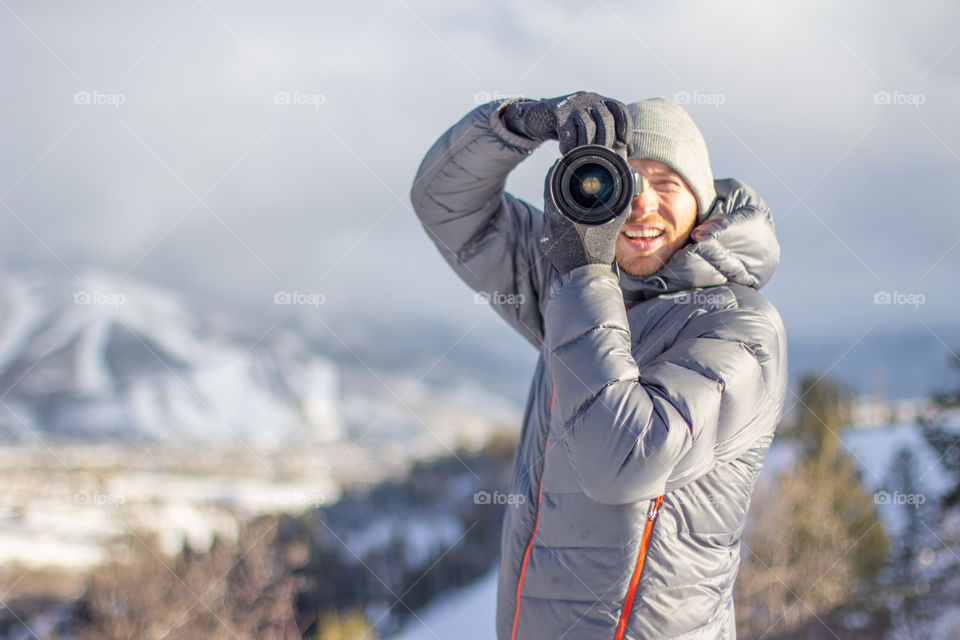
652 407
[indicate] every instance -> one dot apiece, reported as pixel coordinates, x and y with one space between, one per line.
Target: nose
645 202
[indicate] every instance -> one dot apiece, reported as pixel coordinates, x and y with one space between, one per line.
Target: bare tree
236 590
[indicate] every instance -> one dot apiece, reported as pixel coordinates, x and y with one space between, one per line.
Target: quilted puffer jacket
652 406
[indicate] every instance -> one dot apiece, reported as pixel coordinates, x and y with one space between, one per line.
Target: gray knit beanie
664 132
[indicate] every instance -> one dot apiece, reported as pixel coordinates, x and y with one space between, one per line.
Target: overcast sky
146 137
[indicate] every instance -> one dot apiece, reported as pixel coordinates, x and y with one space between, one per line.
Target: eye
666 184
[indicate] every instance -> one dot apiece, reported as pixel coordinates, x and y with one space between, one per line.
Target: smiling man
661 376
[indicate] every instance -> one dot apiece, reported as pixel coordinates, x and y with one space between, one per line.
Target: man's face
661 219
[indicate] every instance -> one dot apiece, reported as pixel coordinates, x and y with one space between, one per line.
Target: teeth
646 233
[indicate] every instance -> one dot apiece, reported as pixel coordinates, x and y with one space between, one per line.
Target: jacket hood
737 243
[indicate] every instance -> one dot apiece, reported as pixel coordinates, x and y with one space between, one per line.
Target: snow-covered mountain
116 358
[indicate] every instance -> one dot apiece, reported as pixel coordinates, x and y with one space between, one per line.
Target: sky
233 149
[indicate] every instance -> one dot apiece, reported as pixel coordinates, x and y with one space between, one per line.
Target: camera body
593 184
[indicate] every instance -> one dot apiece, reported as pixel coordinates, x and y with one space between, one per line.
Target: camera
593 184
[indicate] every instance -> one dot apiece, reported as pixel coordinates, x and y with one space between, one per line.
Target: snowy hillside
115 358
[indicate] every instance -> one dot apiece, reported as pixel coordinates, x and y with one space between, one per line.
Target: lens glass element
591 186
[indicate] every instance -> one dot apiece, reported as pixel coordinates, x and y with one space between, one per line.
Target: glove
576 119
568 245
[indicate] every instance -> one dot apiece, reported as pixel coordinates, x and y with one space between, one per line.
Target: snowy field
466 615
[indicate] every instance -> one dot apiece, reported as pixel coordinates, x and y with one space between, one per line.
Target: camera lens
591 186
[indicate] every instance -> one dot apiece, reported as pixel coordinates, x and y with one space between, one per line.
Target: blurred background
235 373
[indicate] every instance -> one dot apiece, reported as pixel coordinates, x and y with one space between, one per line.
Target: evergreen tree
945 441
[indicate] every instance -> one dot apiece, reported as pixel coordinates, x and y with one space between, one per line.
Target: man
661 376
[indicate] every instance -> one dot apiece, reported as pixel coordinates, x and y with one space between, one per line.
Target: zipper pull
654 508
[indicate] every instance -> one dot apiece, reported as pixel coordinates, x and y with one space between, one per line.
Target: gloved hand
576 119
568 245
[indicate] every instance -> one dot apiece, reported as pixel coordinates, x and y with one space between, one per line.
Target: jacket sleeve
632 435
486 235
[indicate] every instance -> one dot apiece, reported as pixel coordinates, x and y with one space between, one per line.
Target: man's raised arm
486 235
491 239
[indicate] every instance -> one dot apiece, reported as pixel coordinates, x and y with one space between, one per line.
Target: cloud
201 179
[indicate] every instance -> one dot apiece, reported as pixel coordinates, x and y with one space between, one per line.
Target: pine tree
944 441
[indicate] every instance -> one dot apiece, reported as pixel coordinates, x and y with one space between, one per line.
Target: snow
468 614
249 494
93 375
32 550
109 357
422 536
67 517
115 356
179 523
21 315
876 449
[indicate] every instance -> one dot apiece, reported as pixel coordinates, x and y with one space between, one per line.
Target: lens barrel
592 184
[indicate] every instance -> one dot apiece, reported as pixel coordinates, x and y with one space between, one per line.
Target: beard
640 267
637 273
641 272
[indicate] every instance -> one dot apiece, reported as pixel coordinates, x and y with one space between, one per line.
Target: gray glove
576 119
568 245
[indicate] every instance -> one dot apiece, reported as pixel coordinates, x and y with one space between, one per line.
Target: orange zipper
641 556
526 556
